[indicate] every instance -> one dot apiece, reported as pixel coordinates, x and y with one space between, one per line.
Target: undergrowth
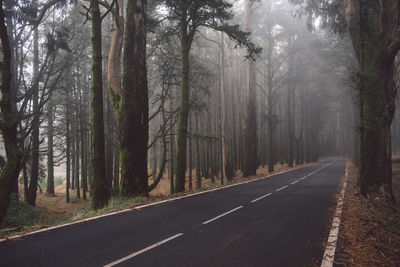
19 216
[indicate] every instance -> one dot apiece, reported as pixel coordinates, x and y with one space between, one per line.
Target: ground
53 210
369 234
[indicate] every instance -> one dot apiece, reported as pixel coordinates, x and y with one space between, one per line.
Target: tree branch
35 21
393 48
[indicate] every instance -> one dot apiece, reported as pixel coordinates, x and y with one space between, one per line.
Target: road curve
279 221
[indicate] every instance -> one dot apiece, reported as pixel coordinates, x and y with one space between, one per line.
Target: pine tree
190 15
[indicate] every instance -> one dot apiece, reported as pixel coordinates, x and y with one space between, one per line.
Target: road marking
138 208
264 196
277 190
222 215
329 254
314 172
295 182
130 256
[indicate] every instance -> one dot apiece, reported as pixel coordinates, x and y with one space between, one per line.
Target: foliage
214 14
330 13
19 214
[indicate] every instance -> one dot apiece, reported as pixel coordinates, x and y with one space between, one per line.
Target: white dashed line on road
264 196
130 256
222 215
286 186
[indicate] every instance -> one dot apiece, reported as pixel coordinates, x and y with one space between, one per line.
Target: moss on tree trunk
100 190
134 110
375 50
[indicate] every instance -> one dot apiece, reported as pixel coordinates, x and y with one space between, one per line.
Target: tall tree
373 28
131 103
189 16
100 190
68 144
226 164
250 135
50 149
31 195
290 103
134 113
8 124
270 115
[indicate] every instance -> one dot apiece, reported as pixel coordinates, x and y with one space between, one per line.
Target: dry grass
370 230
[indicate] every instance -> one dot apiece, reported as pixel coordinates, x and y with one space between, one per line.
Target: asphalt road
279 221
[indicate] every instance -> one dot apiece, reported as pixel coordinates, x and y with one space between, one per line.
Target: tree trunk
376 44
250 138
271 122
8 124
116 167
290 102
50 164
77 152
83 147
31 199
68 146
190 151
171 150
227 168
100 191
73 150
13 83
198 162
184 110
134 114
114 55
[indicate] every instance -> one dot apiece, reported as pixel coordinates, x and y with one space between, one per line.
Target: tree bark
271 122
77 152
184 107
190 152
290 106
50 164
83 145
31 196
373 31
8 124
68 146
198 161
226 165
250 138
100 191
134 114
114 55
171 150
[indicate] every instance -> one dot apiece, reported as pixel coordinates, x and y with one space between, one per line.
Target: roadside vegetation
369 234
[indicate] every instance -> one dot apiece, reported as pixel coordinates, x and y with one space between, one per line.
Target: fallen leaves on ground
370 231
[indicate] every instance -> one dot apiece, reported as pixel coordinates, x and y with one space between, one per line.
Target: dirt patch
370 231
55 206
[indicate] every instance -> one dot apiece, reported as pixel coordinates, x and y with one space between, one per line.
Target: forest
114 98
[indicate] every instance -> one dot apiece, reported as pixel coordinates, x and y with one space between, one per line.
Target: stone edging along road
329 254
